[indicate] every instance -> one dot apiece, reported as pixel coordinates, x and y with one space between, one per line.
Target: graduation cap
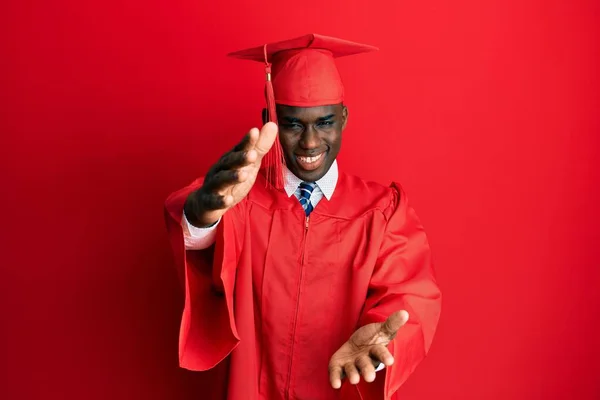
300 72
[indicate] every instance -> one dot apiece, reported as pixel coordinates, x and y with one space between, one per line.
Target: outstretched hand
231 178
366 348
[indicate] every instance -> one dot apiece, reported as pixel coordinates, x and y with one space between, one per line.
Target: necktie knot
306 189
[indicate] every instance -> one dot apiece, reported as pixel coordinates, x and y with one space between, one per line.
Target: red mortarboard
304 75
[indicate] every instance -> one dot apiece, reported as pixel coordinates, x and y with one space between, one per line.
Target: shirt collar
327 183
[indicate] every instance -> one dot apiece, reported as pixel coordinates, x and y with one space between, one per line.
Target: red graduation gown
268 305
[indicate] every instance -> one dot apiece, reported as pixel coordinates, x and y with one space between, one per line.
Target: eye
291 127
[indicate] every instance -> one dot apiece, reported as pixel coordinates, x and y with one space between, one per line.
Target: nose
310 138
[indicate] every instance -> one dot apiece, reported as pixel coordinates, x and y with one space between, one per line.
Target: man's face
311 138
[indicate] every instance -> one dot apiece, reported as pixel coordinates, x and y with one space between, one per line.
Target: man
301 282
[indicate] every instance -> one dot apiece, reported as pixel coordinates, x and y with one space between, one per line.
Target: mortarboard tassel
273 160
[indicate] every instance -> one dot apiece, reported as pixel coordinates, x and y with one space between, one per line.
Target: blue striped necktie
306 190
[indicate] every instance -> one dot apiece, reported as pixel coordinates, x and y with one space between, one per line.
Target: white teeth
310 160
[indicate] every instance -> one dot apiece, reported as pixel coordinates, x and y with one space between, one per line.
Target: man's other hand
366 348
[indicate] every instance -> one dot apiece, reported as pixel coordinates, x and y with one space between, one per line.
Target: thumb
393 323
266 138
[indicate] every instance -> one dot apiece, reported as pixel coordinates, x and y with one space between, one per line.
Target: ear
265 116
344 117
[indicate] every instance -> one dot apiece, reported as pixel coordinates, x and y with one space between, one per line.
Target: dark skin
311 138
309 132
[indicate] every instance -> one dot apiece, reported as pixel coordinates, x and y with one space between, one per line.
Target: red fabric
304 69
274 299
306 78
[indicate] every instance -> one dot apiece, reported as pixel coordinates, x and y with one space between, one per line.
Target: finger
235 159
267 137
393 323
380 353
366 368
213 201
228 200
248 141
223 179
352 373
335 376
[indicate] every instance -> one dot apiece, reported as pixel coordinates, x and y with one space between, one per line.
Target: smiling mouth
310 163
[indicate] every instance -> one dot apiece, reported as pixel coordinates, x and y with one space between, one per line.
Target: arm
401 310
208 328
208 332
404 279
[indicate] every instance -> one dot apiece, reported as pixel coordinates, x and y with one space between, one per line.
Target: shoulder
370 195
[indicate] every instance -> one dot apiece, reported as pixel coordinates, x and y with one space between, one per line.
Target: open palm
366 347
231 178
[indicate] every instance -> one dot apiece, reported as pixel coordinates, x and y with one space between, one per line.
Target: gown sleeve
403 279
208 332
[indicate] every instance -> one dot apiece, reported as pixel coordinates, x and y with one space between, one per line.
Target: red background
487 111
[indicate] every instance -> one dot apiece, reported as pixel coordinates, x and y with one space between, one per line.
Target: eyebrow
293 120
327 117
